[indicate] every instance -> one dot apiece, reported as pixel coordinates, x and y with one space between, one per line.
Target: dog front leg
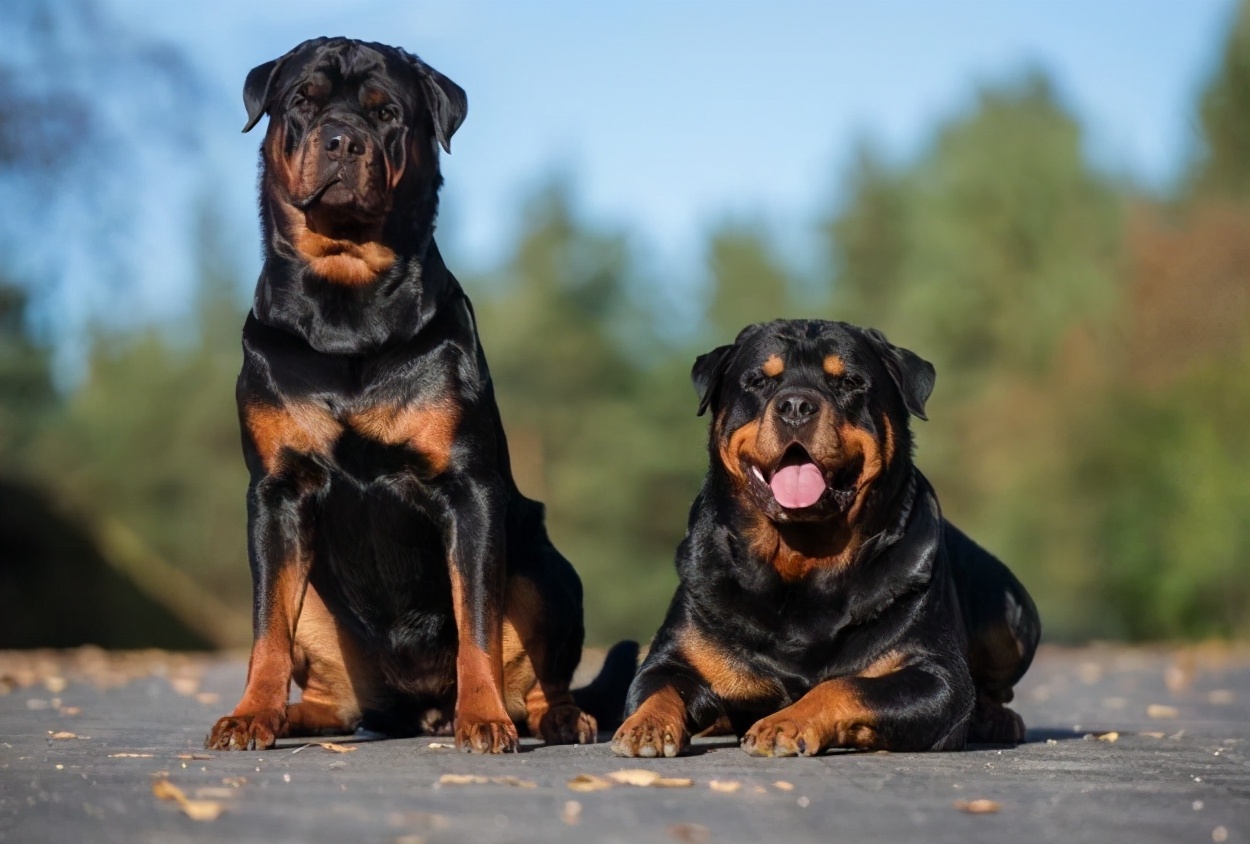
280 567
477 573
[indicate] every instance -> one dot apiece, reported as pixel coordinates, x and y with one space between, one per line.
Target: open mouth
798 482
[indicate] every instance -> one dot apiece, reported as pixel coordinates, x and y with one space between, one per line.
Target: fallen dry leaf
185 686
978 807
437 745
515 782
1089 672
196 810
214 792
1111 737
691 833
572 813
588 782
1159 710
477 779
726 786
130 755
337 748
418 820
643 779
65 735
1152 734
634 776
199 756
782 785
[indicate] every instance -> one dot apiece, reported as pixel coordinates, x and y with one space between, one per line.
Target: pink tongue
798 486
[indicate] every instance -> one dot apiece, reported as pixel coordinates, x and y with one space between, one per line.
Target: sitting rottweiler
824 601
399 576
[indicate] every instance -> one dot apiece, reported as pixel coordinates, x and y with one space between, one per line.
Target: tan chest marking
428 429
299 427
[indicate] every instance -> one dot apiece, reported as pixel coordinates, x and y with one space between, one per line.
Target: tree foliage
1091 346
1223 168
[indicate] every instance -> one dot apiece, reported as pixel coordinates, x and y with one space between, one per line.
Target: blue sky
669 117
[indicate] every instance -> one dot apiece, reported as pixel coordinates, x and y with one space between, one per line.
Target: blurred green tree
1223 167
749 282
866 242
994 255
149 441
586 421
27 396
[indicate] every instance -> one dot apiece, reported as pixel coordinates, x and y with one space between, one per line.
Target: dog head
810 418
353 134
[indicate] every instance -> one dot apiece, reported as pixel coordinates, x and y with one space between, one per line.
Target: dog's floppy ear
707 372
913 375
446 100
258 87
256 91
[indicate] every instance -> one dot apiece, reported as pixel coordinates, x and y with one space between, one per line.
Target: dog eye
388 114
755 380
851 383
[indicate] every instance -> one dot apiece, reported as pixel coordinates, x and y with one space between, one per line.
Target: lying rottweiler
399 576
824 601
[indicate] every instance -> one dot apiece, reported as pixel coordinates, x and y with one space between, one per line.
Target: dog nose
341 141
797 408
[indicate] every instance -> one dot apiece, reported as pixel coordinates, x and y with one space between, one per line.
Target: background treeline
1092 343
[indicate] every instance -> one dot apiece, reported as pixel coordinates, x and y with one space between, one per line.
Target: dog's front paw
567 725
649 734
257 731
782 735
486 735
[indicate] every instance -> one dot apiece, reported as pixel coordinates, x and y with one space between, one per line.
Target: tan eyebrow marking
774 366
834 365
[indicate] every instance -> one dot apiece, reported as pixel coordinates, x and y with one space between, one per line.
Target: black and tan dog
399 576
824 601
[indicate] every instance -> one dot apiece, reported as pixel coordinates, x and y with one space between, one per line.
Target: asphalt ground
1125 744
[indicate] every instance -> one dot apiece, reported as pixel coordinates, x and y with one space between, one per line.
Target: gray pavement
1178 769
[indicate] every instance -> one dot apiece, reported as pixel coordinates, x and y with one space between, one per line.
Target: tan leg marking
338 681
658 728
482 722
831 714
260 717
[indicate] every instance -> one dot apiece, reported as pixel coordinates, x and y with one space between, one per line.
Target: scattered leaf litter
196 810
643 778
978 807
588 782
